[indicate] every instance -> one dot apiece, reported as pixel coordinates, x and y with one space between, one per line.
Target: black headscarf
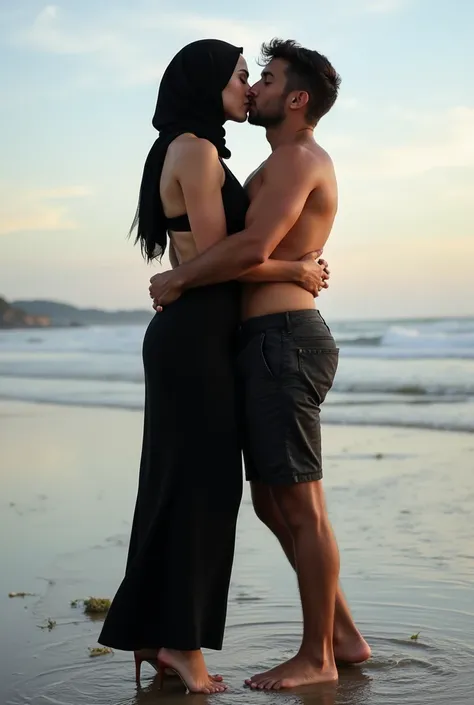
189 100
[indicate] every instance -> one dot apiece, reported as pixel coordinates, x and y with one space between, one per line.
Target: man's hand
165 288
314 273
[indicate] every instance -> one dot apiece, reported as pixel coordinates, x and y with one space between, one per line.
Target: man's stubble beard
270 120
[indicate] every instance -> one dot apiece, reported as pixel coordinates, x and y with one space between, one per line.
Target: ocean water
412 373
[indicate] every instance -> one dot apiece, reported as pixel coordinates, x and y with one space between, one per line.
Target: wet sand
401 502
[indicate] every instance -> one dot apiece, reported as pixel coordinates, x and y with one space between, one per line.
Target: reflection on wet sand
353 688
400 501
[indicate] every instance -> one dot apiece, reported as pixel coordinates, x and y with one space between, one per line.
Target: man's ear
299 100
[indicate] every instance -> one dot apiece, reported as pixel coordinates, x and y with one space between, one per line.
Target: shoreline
326 422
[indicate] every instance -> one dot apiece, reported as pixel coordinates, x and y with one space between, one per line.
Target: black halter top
235 202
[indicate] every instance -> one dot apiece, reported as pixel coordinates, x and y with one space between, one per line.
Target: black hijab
189 100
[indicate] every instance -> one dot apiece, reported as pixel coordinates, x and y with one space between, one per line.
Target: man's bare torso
309 233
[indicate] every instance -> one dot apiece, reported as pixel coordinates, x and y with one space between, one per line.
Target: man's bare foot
299 670
351 649
150 655
191 668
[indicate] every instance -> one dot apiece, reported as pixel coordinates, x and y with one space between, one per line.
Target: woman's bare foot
299 670
151 656
191 668
351 649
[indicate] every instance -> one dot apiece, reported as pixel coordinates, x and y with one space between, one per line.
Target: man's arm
309 272
289 179
274 270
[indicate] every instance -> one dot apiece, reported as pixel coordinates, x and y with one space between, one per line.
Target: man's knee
302 506
265 507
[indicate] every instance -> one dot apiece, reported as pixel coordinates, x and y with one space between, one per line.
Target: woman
173 599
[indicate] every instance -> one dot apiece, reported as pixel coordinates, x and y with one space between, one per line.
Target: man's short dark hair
308 71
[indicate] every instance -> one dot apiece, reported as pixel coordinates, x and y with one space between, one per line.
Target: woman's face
235 95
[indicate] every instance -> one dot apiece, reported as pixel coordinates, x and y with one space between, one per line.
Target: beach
335 130
400 500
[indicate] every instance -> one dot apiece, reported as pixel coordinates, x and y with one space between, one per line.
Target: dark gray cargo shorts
286 366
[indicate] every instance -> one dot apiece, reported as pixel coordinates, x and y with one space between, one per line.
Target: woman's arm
200 174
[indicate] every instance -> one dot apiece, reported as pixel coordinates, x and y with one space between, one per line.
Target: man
288 357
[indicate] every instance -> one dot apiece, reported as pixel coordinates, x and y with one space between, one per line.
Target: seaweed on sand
99 651
93 605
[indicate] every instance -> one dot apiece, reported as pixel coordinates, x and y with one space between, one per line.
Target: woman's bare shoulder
188 148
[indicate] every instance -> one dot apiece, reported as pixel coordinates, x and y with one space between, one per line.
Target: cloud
36 210
250 35
111 54
410 178
384 6
449 143
46 34
125 47
40 219
426 142
62 192
355 8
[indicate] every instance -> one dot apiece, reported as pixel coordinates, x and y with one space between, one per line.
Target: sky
79 82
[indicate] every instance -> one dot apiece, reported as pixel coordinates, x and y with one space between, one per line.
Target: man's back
309 233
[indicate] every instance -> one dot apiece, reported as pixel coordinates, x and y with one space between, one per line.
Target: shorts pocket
313 342
270 353
318 367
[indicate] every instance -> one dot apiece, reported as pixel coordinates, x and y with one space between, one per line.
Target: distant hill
62 314
12 316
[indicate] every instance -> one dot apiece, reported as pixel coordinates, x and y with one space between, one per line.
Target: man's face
268 96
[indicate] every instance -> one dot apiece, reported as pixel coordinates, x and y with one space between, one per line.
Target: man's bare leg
349 645
317 566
